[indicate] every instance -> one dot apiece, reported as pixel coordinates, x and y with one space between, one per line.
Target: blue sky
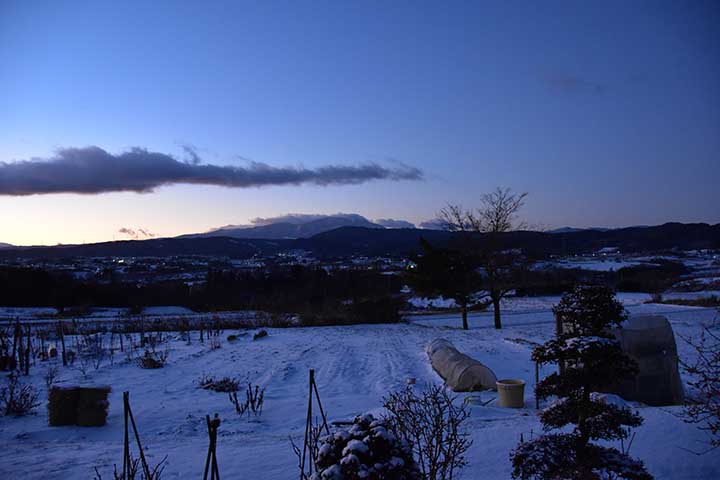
607 113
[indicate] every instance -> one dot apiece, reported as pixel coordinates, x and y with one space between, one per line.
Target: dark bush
152 359
653 278
16 398
380 310
432 427
224 385
254 400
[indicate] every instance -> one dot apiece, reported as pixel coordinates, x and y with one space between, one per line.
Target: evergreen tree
451 273
590 359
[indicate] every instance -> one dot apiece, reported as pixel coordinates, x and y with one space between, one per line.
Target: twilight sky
607 113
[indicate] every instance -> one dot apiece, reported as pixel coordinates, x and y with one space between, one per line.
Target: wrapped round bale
460 372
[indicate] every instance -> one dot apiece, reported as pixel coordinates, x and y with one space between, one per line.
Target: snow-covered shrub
590 359
432 426
260 334
368 451
224 385
17 399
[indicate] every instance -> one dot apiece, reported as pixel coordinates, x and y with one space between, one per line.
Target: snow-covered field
355 367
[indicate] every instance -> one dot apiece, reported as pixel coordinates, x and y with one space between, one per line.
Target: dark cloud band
93 170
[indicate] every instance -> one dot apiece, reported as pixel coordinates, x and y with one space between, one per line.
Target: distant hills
372 241
5 245
574 229
156 247
290 229
597 229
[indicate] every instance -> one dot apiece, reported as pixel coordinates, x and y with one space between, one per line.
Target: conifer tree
451 273
591 359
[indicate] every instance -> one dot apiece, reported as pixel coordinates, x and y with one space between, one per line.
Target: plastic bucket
511 393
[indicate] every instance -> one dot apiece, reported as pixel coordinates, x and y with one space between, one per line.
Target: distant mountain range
372 241
596 229
574 229
6 245
290 229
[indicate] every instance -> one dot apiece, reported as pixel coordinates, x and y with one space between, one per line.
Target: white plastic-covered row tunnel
460 372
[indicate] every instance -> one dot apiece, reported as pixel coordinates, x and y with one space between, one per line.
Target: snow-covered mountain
291 228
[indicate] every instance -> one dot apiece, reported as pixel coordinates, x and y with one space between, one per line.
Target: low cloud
393 223
91 170
301 218
137 234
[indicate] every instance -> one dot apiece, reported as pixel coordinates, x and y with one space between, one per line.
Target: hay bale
62 406
92 407
74 405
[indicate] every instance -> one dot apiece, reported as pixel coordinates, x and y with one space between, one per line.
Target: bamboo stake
126 451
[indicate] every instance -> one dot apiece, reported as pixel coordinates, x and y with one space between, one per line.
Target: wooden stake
126 459
211 460
62 341
126 450
308 423
537 380
307 448
27 352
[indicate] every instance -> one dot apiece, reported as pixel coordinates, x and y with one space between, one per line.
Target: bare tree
433 426
497 214
704 410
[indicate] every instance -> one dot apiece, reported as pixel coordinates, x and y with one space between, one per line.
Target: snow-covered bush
17 399
368 451
431 425
590 359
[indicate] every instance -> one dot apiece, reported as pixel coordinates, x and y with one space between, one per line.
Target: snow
595 264
355 447
691 295
356 366
432 303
